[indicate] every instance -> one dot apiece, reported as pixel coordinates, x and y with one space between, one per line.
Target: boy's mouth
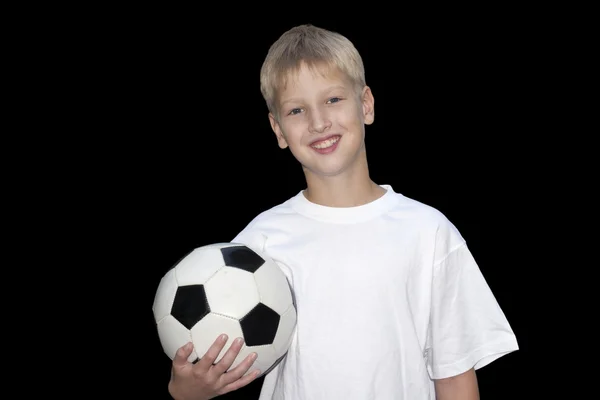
326 143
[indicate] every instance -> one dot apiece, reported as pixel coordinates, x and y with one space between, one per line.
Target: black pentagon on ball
242 257
190 305
260 325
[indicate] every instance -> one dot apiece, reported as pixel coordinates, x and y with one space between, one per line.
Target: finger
239 371
239 383
208 359
182 354
229 357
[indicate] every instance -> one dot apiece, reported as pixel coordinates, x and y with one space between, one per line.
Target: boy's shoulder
254 233
421 211
279 210
272 213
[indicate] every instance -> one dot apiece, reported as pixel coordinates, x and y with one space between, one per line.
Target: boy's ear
368 105
278 132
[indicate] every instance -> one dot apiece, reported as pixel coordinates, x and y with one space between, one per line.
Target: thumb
181 357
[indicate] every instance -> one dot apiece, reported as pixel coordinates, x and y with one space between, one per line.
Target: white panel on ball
173 335
232 292
205 332
285 332
165 294
188 272
268 276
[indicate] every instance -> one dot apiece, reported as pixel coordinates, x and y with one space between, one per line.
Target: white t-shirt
388 298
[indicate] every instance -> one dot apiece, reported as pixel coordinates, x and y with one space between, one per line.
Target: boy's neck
350 189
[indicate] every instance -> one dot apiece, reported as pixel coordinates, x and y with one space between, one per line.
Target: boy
390 302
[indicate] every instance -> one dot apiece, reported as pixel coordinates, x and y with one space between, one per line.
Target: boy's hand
206 380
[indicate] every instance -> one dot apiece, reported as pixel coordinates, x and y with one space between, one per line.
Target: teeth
326 143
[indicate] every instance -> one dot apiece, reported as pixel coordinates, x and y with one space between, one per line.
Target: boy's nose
319 123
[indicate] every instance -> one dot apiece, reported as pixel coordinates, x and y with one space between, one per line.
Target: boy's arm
463 387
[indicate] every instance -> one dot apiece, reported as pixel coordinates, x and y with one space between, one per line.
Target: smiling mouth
324 144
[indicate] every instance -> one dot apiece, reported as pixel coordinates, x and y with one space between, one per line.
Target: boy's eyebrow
292 100
336 87
329 89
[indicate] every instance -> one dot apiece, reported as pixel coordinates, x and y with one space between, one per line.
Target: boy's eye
295 111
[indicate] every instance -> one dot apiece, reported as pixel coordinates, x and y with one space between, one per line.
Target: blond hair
313 46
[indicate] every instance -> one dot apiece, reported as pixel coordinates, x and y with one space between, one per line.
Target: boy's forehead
314 70
319 73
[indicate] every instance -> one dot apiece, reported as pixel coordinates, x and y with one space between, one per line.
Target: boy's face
322 119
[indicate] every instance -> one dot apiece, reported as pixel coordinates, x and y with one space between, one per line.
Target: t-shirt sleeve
467 326
251 236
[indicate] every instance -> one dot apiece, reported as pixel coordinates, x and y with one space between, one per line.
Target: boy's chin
324 172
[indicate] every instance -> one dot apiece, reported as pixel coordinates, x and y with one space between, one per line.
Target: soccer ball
226 288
